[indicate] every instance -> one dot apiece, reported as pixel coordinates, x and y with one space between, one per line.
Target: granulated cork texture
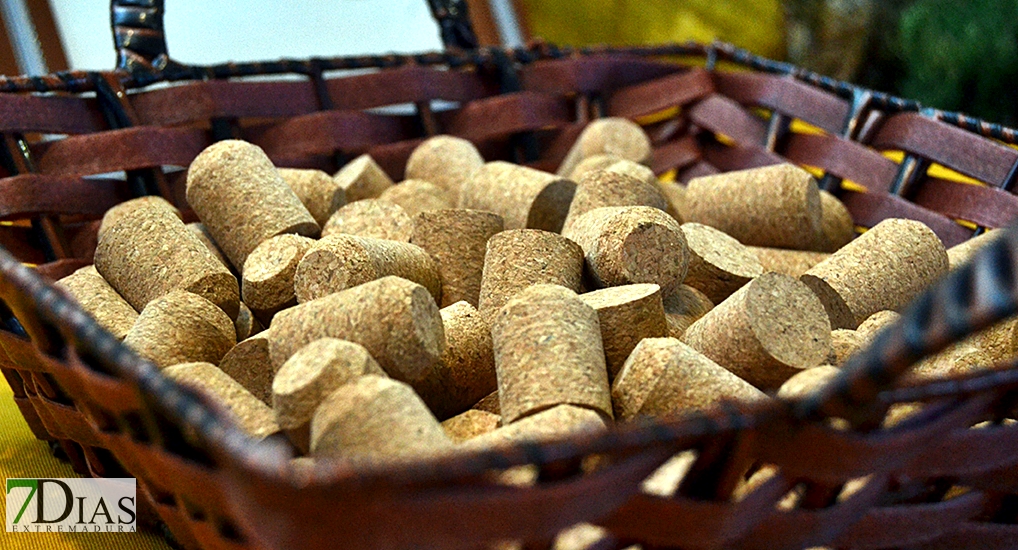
557 422
317 191
626 314
206 239
807 382
615 136
457 240
592 164
877 322
181 327
267 284
844 344
98 298
961 253
246 323
718 264
467 373
114 214
675 194
470 424
446 161
524 197
602 188
371 218
252 416
249 364
362 178
416 196
683 307
836 226
489 404
787 262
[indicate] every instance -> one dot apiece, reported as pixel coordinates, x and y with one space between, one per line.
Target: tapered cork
467 373
375 419
342 261
519 258
457 239
766 332
524 197
548 352
362 178
885 268
788 262
626 314
416 196
718 264
807 382
149 252
683 307
470 424
777 206
252 416
373 218
242 200
445 161
844 344
961 253
112 215
877 322
249 364
836 225
489 404
647 175
675 194
557 422
101 301
664 377
181 327
246 323
267 283
961 358
203 235
613 136
592 164
317 191
631 244
602 188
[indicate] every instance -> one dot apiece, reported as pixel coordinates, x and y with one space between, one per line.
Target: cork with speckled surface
445 161
362 178
776 206
203 235
631 244
683 307
626 315
884 268
807 382
467 373
338 262
373 218
766 332
591 164
836 226
246 323
718 264
877 322
616 136
242 200
602 188
844 344
470 424
961 253
149 202
664 377
101 301
416 196
253 417
788 262
548 352
489 404
675 194
317 191
961 358
645 174
457 239
524 197
181 327
267 285
249 363
557 422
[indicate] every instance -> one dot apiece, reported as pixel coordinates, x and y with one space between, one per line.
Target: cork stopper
113 215
718 264
445 161
203 235
961 253
242 200
253 417
787 262
467 373
592 164
416 196
362 178
675 194
877 322
269 272
338 262
246 323
885 268
250 365
149 252
604 188
181 327
807 382
524 197
684 307
317 191
457 240
613 136
777 206
548 352
836 226
373 218
519 258
489 404
766 332
961 358
664 377
470 424
626 314
558 422
844 344
98 298
631 244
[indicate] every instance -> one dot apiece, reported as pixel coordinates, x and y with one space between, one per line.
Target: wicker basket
931 482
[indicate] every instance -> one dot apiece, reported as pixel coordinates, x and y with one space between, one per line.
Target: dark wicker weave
115 415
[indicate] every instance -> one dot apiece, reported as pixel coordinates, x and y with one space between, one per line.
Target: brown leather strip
843 158
504 115
909 525
325 132
985 206
968 452
116 150
54 271
677 154
724 116
701 168
49 114
201 101
32 418
591 74
869 209
17 240
971 534
728 159
72 424
33 194
392 157
659 94
785 95
408 84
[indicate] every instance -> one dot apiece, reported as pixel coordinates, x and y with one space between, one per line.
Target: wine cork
445 161
961 253
613 136
787 262
250 365
836 226
519 258
467 373
268 282
885 268
645 174
960 358
626 315
312 374
524 197
362 178
807 382
203 235
149 252
683 307
416 196
489 404
776 206
253 417
470 424
373 218
631 244
242 200
342 261
664 377
602 188
766 332
592 164
557 422
113 215
246 323
457 240
317 191
718 264
181 327
101 301
844 344
877 322
375 419
675 194
548 352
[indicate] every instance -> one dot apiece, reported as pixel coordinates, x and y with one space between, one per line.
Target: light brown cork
101 301
836 226
249 364
647 175
877 322
885 268
338 262
844 344
317 191
631 244
664 377
457 239
445 161
246 323
242 200
267 283
718 264
362 178
626 314
548 352
524 197
519 258
416 196
203 235
470 424
371 218
375 419
961 358
113 215
467 373
602 188
148 252
807 382
557 422
613 136
489 404
684 307
675 194
777 206
788 262
591 164
766 332
181 327
253 417
961 253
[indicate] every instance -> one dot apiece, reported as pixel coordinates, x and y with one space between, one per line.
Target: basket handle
140 40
